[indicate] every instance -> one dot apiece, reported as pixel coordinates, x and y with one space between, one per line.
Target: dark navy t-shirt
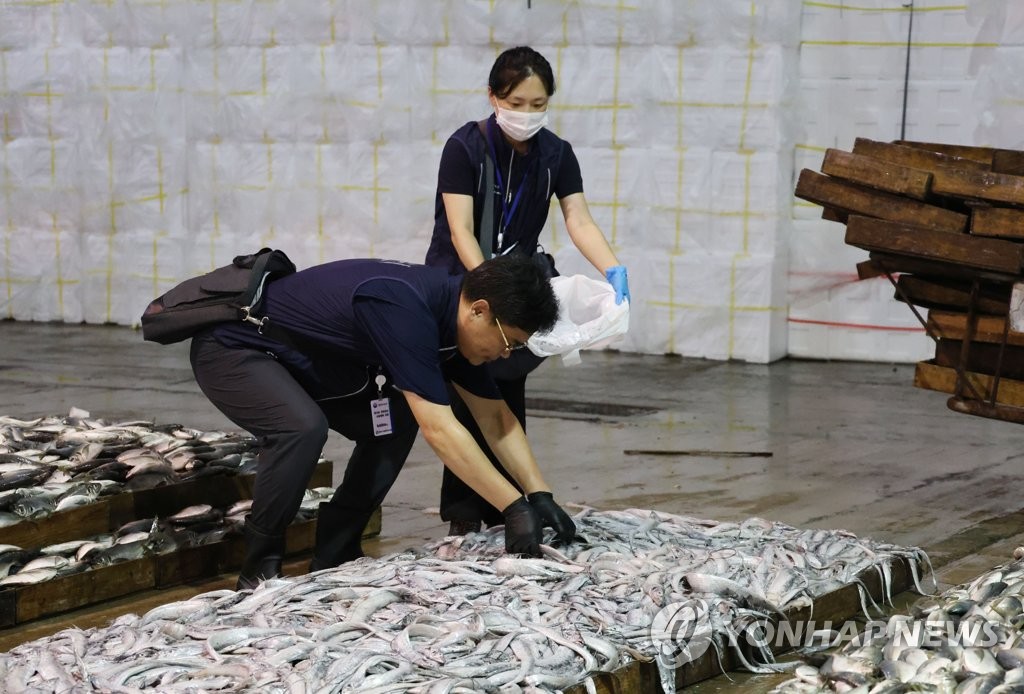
457 174
522 192
352 317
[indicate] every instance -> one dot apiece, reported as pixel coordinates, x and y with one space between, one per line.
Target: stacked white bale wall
146 142
965 87
141 143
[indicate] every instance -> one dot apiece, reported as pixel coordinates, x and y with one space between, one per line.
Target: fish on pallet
192 526
45 453
200 513
460 614
966 640
26 477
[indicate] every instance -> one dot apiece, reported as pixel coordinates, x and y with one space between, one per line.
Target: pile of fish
190 527
54 463
461 615
968 640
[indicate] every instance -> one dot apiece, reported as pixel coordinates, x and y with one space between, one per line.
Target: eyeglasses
509 347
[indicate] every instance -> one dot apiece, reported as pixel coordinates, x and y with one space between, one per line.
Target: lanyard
506 210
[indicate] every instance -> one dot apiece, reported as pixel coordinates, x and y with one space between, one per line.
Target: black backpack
232 292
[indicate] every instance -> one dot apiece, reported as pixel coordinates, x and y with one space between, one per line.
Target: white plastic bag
587 319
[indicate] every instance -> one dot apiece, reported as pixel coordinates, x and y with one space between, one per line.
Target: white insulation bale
141 142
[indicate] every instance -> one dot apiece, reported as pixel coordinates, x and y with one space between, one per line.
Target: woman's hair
516 64
517 291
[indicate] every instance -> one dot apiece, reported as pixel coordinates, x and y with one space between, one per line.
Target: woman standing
494 188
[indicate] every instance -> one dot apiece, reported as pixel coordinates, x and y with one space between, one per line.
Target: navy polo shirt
548 168
352 317
458 174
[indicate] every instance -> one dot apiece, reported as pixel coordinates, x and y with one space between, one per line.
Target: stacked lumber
945 223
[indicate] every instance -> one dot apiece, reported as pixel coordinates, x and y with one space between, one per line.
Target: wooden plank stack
948 222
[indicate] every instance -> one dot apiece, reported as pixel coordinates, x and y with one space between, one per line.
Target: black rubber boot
339 533
263 555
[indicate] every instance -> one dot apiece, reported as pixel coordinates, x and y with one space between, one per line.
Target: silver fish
199 513
28 577
74 501
14 463
149 466
25 477
459 614
85 452
8 498
63 548
90 548
132 538
124 551
34 507
47 561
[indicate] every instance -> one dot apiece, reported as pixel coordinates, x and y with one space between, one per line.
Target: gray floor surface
809 443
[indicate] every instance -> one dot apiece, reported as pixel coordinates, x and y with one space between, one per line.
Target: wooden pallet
990 329
875 173
903 202
838 606
998 222
850 199
21 604
982 358
108 513
952 295
971 252
931 376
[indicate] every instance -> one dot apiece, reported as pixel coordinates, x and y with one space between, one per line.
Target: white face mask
521 125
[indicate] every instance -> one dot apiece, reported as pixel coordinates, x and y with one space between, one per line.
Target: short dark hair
515 65
517 290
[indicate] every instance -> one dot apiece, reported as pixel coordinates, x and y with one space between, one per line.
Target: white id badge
380 409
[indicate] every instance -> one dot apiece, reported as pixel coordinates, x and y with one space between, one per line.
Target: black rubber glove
552 515
522 528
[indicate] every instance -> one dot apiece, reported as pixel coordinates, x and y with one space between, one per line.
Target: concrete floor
812 444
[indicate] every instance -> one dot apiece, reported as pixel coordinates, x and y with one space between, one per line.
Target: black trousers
258 394
458 501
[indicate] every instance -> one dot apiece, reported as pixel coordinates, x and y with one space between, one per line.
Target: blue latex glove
616 277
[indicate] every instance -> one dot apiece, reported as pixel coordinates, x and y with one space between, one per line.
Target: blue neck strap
506 210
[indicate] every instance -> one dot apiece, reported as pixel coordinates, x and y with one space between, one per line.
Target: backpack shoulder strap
473 138
266 264
485 229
